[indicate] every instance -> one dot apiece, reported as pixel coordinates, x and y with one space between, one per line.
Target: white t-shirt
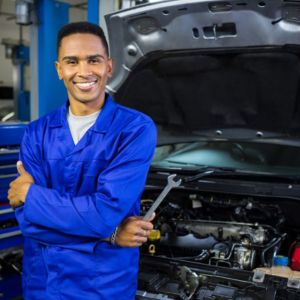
79 125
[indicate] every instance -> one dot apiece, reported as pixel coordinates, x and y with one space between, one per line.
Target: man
82 172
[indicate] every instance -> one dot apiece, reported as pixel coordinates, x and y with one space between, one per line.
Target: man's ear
111 64
58 70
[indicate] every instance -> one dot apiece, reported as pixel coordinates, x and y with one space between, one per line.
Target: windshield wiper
205 171
208 170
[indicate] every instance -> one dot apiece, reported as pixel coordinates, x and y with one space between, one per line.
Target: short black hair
81 27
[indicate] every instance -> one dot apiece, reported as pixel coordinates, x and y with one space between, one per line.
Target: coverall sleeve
33 162
120 185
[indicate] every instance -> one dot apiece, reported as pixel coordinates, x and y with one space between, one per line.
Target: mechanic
82 172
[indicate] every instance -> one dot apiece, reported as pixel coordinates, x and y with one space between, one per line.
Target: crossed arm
80 222
132 232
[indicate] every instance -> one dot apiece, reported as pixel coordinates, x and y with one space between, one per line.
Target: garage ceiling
7 8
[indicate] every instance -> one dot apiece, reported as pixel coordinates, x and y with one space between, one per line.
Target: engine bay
222 230
231 233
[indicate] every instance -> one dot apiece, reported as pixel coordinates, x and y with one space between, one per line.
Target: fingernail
19 163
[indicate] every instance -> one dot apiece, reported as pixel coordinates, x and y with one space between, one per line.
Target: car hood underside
204 64
253 88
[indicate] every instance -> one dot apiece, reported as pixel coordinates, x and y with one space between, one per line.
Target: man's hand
18 188
134 231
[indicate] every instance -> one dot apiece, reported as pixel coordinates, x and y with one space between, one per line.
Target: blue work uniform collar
102 123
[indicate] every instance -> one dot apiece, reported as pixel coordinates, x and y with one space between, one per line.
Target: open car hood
210 65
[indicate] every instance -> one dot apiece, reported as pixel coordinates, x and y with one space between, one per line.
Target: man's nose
84 68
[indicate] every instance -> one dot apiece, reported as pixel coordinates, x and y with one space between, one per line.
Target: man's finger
20 168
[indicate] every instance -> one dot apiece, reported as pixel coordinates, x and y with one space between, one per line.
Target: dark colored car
221 81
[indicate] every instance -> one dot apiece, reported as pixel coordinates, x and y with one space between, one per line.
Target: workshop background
28 30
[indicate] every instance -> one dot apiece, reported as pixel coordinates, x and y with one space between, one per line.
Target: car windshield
249 156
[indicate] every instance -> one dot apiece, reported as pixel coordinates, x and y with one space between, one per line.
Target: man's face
84 67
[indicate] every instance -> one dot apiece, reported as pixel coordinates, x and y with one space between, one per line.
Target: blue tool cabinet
10 235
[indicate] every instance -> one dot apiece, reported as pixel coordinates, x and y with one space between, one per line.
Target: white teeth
85 84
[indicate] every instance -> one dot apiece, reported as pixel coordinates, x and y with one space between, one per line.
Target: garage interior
241 91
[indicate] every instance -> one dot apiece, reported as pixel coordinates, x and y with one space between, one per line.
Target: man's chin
87 101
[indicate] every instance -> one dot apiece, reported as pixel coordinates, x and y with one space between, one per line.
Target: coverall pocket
74 273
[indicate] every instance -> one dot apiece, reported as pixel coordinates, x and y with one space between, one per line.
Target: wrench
171 183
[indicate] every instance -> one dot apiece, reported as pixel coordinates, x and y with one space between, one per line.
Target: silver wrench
171 183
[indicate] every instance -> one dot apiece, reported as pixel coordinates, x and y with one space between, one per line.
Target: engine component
233 256
225 230
151 249
295 256
244 258
188 242
154 235
190 281
219 292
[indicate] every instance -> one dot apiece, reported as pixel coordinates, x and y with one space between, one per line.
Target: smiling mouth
85 85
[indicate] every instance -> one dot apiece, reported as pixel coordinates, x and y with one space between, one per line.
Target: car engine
207 245
216 230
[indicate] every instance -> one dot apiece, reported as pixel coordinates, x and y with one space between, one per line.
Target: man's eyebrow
95 56
69 57
88 57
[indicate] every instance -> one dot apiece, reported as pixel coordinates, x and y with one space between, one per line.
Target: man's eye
71 62
94 60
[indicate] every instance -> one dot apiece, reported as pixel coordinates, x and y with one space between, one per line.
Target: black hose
272 244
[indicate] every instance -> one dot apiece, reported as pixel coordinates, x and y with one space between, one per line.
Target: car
221 81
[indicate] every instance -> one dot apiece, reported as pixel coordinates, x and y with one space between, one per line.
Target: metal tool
171 183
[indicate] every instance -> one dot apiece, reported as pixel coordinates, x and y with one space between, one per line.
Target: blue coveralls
82 193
